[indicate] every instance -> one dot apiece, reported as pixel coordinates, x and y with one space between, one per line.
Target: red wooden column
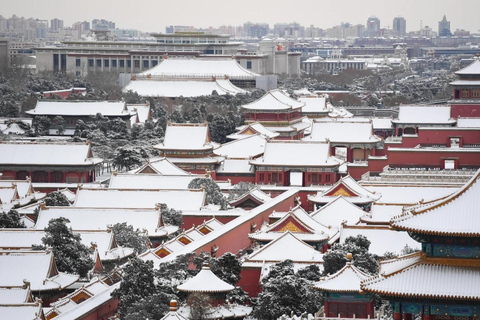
326 307
64 178
407 316
397 316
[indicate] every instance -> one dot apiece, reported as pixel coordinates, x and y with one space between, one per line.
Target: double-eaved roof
471 69
46 154
174 88
200 68
296 154
455 215
80 108
416 276
274 100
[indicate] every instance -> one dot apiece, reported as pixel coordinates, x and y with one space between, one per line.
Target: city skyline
153 17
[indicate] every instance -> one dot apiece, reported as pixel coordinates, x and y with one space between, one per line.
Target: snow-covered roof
346 187
142 111
287 246
100 293
12 128
468 122
296 153
255 193
382 123
186 136
381 213
37 267
473 68
346 279
30 311
80 108
161 166
314 105
382 238
407 195
274 100
42 153
424 115
297 221
428 280
340 210
130 198
304 92
205 281
15 295
91 219
221 311
343 132
8 195
235 166
182 67
248 147
150 181
173 88
254 128
455 215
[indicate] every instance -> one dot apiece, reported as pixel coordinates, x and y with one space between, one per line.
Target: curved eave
324 200
255 163
436 232
450 121
163 148
420 296
203 291
338 291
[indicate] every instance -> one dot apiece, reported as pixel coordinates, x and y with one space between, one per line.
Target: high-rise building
256 30
102 24
373 26
444 28
399 26
56 24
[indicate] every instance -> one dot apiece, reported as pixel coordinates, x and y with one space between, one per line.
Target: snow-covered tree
127 157
138 283
126 236
240 189
11 219
358 246
70 253
285 292
171 216
56 199
213 193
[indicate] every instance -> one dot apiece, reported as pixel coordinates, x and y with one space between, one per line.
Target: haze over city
153 16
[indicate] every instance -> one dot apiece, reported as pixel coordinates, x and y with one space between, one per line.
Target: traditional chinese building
298 163
410 118
72 111
350 190
443 280
48 162
356 137
278 113
298 222
343 296
466 91
188 146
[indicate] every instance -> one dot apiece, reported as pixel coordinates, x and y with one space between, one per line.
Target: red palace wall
105 311
235 179
250 281
465 111
237 238
191 220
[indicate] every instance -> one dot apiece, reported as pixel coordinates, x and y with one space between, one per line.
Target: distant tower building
56 24
400 26
373 27
444 28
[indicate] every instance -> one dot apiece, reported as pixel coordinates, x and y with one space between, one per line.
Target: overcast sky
154 15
